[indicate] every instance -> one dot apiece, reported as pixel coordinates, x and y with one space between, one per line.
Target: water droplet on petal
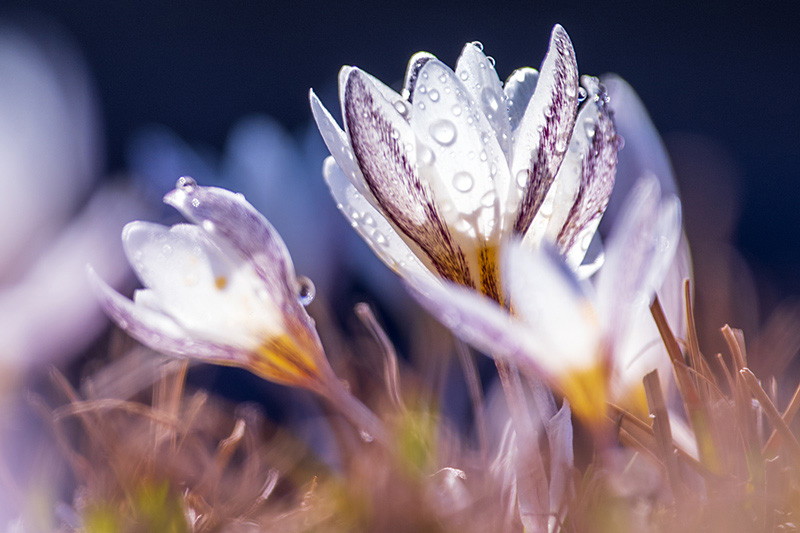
433 95
620 142
581 94
478 45
195 202
586 240
365 436
522 178
464 75
490 99
368 220
402 107
305 290
561 145
426 156
208 226
488 199
167 249
456 110
379 237
443 132
463 181
491 61
186 183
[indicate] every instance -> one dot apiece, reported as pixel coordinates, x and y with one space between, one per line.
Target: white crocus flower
436 178
222 289
571 332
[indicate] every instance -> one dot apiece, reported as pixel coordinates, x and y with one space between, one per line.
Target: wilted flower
563 328
222 289
438 177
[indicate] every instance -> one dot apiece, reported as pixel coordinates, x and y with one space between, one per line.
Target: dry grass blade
391 367
475 394
788 439
771 447
662 430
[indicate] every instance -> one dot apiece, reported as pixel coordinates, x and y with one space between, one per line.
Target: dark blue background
726 70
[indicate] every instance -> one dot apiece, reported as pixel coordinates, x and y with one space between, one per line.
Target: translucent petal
541 139
378 233
478 75
519 88
416 62
457 152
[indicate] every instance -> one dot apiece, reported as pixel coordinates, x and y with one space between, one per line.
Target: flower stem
368 424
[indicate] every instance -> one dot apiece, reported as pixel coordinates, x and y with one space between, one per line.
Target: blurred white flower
435 179
49 158
222 289
572 332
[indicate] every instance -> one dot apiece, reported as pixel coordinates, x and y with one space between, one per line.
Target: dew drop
365 436
433 94
443 132
463 181
208 226
395 134
483 156
478 45
305 290
195 202
368 220
561 145
402 107
380 238
426 156
488 199
491 61
620 142
167 249
464 75
456 109
589 127
581 94
522 178
586 240
547 209
186 183
421 105
490 99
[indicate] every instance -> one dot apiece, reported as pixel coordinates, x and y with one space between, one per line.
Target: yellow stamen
220 282
281 360
586 390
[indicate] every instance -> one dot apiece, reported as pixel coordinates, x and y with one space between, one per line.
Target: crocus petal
644 152
472 317
543 134
229 219
371 225
638 254
155 329
416 62
519 89
559 438
478 75
464 162
597 145
338 144
547 296
384 146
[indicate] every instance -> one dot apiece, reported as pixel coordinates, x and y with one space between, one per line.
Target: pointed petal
595 151
385 147
644 152
559 438
416 62
473 318
545 293
519 88
464 161
227 218
638 254
155 329
381 237
478 75
338 144
544 131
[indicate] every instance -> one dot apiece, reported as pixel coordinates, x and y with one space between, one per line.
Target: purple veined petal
156 330
229 219
472 317
338 144
638 253
476 72
457 153
519 89
548 297
416 62
559 438
370 224
596 147
644 152
385 148
543 135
